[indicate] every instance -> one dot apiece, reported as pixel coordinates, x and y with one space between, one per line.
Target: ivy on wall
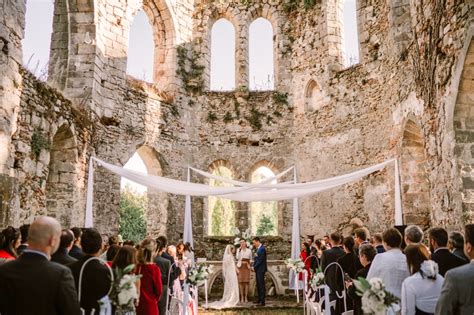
189 70
39 142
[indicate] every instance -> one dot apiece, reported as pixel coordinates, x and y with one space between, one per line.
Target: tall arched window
350 34
37 40
263 215
261 60
222 56
221 212
314 97
141 48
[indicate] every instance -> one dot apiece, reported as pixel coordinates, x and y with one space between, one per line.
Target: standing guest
9 242
327 241
34 285
456 244
260 268
175 285
457 294
165 266
349 262
421 290
96 279
175 271
390 266
76 251
129 243
111 253
189 254
332 274
244 256
151 286
366 255
61 255
440 252
413 235
377 242
180 250
125 256
304 256
360 237
24 239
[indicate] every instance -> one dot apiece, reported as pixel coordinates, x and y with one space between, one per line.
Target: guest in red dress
305 253
9 242
150 282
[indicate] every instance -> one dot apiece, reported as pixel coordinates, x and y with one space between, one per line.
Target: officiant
244 256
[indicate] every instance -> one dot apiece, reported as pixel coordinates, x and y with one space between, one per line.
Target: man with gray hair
32 284
456 245
413 235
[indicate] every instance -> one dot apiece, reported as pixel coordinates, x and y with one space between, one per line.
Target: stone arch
61 192
221 213
314 96
463 125
223 23
414 178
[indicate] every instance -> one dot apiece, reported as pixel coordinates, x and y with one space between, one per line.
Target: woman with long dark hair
9 242
305 253
151 285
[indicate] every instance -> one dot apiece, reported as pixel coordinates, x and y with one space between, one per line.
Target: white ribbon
185 298
205 292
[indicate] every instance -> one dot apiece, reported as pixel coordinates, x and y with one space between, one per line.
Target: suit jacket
95 283
351 291
349 264
446 260
457 294
76 252
32 284
380 249
164 265
329 256
457 251
260 260
62 257
21 248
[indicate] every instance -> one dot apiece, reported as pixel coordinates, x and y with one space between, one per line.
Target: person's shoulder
460 273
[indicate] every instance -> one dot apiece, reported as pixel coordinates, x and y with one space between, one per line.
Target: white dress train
230 298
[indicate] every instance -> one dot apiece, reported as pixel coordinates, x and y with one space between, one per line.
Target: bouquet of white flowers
297 265
124 291
317 279
245 235
198 275
375 299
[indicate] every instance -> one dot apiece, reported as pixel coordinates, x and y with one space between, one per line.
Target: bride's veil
230 297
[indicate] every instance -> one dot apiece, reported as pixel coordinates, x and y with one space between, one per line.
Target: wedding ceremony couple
236 274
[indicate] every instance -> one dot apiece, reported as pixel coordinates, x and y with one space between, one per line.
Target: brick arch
261 163
224 163
414 178
61 192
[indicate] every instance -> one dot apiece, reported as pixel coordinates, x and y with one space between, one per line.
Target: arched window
133 203
349 33
263 215
222 56
141 48
37 40
261 60
314 97
221 212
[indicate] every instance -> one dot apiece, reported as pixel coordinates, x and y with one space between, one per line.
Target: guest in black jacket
165 266
96 280
24 238
440 253
32 284
349 262
377 242
456 242
61 256
366 254
333 274
76 251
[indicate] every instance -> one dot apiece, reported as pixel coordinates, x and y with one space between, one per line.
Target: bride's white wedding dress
230 298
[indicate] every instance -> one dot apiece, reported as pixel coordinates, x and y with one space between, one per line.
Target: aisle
275 306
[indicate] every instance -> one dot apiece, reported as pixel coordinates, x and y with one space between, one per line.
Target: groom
260 267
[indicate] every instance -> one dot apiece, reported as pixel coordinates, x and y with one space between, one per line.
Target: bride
230 297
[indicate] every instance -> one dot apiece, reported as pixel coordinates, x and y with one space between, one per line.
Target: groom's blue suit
260 267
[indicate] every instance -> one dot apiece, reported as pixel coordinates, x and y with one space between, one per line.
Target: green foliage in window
217 218
132 222
265 226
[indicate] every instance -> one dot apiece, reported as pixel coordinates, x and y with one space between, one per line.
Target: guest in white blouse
420 291
244 256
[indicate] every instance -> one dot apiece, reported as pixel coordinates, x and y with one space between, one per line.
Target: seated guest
96 279
457 294
390 266
9 242
111 253
440 253
366 256
76 251
377 242
413 235
421 290
456 244
61 255
151 286
24 239
32 284
349 262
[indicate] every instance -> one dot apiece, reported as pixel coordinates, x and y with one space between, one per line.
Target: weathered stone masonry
410 97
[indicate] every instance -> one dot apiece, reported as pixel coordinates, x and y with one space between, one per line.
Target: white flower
381 295
127 293
376 284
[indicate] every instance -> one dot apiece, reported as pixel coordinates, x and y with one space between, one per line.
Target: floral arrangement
297 265
198 275
317 279
124 291
375 299
245 235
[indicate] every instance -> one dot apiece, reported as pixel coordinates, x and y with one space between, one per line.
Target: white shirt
244 254
422 293
391 267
